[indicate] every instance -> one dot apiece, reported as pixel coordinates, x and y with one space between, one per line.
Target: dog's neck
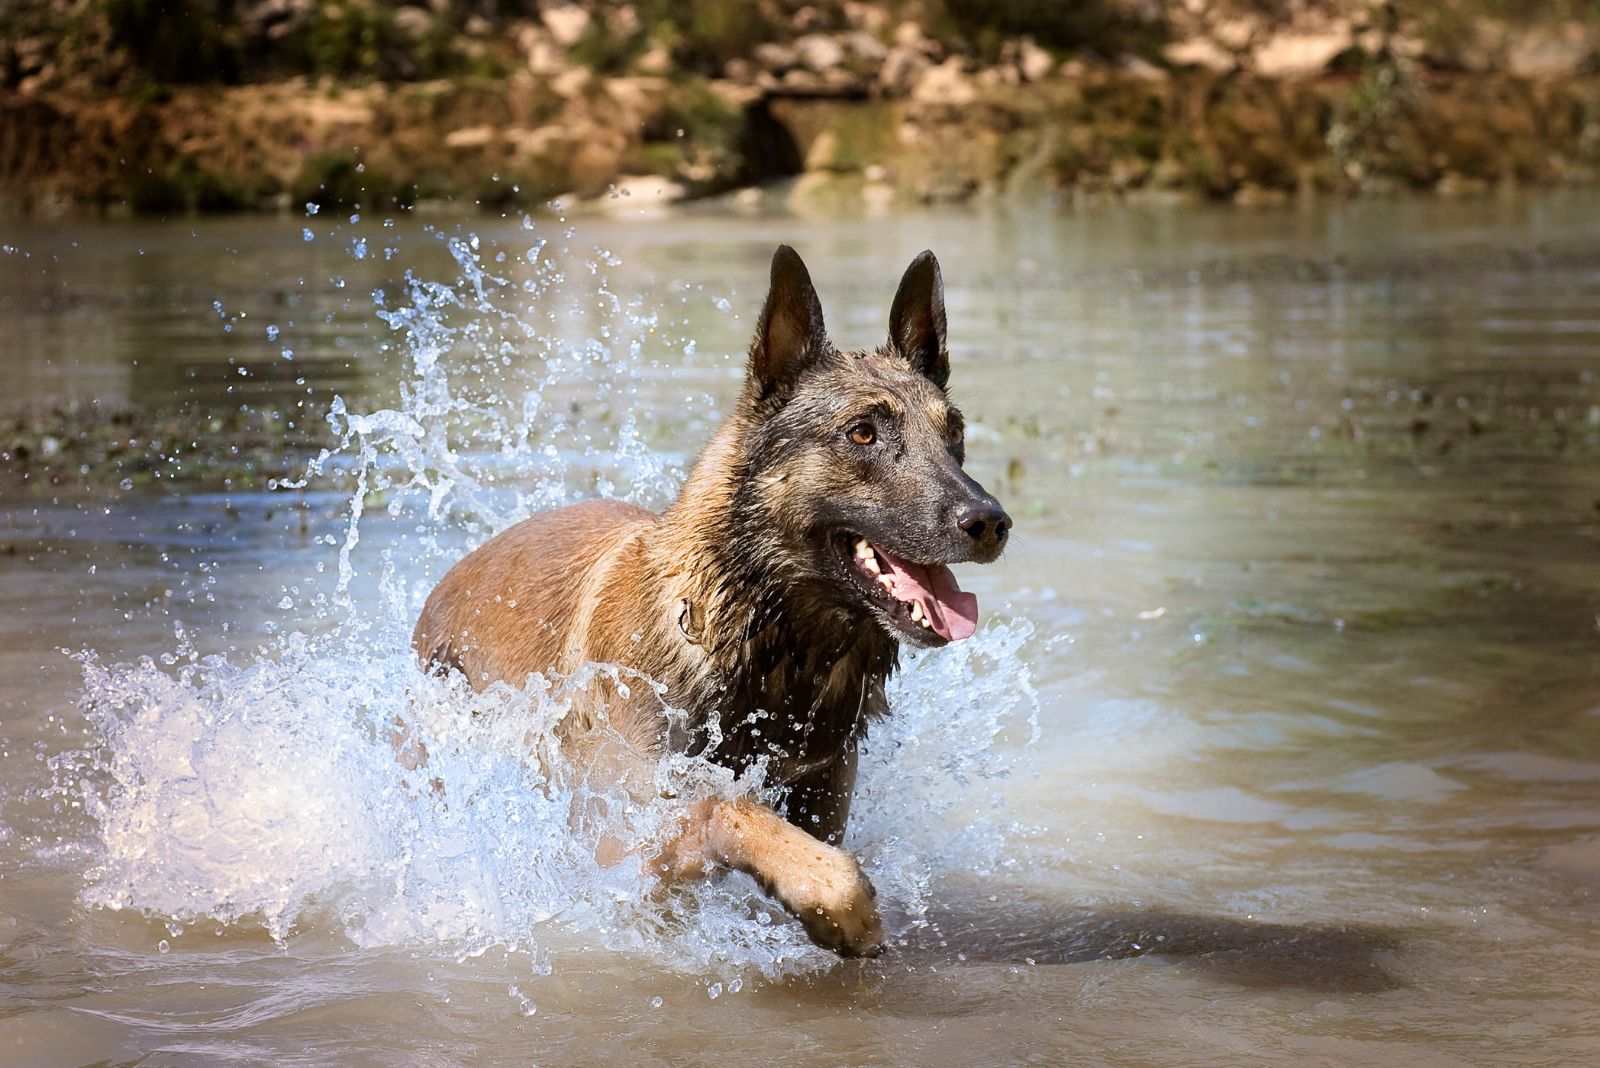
787 668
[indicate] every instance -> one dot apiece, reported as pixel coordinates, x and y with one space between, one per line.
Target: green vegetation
1104 27
191 42
704 35
177 40
341 180
697 138
184 186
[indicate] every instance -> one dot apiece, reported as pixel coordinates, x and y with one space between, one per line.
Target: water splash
263 787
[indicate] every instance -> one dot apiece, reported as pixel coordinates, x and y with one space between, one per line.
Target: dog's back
540 597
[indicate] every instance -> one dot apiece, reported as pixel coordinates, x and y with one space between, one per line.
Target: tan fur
743 599
603 582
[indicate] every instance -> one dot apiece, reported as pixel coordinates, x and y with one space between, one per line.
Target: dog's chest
795 707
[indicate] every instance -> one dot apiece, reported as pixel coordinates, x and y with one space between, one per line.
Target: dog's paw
833 900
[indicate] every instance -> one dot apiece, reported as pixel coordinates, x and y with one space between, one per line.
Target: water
1278 744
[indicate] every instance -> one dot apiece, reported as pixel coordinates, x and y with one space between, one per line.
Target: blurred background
164 106
1277 329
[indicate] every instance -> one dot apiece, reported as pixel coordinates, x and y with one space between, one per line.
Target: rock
823 153
869 17
802 82
530 141
540 51
469 137
819 52
1407 46
1234 34
1451 184
775 57
1250 195
1296 55
946 84
1545 52
571 83
567 23
1143 69
739 70
901 68
909 35
808 19
863 45
656 61
596 159
413 23
1200 52
1033 62
877 197
622 22
639 194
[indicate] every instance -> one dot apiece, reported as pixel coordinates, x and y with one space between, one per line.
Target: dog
810 541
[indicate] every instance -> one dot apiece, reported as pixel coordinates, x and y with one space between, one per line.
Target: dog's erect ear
790 334
916 320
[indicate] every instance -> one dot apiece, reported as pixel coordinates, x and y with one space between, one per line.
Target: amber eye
863 434
957 435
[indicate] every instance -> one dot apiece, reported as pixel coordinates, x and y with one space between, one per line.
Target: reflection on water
1307 544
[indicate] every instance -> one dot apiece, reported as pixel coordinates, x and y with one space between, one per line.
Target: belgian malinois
812 537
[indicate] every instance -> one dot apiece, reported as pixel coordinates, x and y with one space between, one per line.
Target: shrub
1102 26
340 180
703 35
185 186
183 41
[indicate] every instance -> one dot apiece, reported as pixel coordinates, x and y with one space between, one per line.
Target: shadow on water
1335 958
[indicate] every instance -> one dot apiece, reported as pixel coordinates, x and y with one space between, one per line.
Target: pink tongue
953 613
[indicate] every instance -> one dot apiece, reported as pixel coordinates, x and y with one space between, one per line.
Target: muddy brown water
1308 541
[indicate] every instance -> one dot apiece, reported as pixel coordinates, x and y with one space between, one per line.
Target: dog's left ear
916 320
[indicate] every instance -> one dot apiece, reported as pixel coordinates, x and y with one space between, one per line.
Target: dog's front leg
822 885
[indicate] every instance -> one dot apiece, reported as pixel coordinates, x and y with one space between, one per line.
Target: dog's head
852 461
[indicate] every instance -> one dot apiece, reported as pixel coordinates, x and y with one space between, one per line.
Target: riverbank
1338 98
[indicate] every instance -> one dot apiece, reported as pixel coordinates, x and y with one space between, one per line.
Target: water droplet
163 946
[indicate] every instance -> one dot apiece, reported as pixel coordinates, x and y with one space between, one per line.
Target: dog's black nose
987 524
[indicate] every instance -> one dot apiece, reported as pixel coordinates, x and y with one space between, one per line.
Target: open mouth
922 601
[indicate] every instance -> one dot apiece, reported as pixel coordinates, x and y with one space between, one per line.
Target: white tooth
885 581
927 624
870 563
863 550
916 611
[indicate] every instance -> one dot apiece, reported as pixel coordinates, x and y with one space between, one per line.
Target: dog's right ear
790 335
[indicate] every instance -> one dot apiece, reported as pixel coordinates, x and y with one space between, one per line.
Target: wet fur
730 598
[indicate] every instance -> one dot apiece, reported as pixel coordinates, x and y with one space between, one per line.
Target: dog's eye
957 435
863 434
